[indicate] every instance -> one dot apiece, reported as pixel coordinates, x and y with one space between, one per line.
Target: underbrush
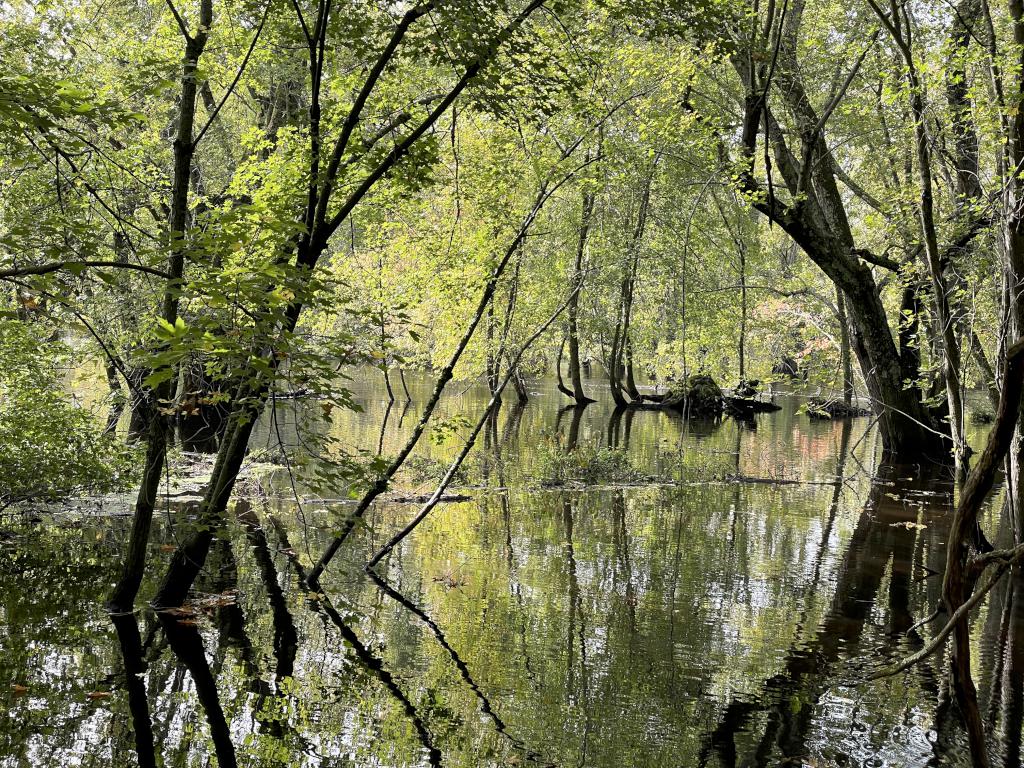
51 448
423 469
585 464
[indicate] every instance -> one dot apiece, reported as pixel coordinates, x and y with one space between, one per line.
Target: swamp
611 383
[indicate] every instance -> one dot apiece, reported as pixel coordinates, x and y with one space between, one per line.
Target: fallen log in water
423 498
777 480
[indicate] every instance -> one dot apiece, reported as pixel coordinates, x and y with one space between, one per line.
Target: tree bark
573 312
816 220
123 596
899 30
844 348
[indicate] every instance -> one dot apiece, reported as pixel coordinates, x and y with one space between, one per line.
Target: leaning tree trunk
905 425
904 422
815 218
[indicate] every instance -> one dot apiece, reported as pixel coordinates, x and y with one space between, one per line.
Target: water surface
726 618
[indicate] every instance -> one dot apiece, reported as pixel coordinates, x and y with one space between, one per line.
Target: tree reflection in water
715 623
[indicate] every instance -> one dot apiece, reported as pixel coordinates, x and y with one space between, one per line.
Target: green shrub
585 464
423 469
50 448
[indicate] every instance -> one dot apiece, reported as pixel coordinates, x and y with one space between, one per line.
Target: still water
726 618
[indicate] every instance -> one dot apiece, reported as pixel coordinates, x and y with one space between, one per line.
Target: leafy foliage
51 448
587 464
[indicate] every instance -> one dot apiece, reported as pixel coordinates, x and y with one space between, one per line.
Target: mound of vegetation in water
584 465
701 396
424 469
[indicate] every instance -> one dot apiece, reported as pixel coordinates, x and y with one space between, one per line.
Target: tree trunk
518 381
904 423
816 220
627 288
987 374
844 349
493 362
117 398
741 345
630 380
559 381
123 596
387 382
573 311
940 292
405 387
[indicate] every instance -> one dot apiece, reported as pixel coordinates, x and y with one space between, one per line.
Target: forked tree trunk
816 220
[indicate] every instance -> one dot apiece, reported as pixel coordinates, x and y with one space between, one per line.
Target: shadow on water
130 642
881 549
1001 688
187 645
1006 704
286 637
573 436
485 704
321 605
